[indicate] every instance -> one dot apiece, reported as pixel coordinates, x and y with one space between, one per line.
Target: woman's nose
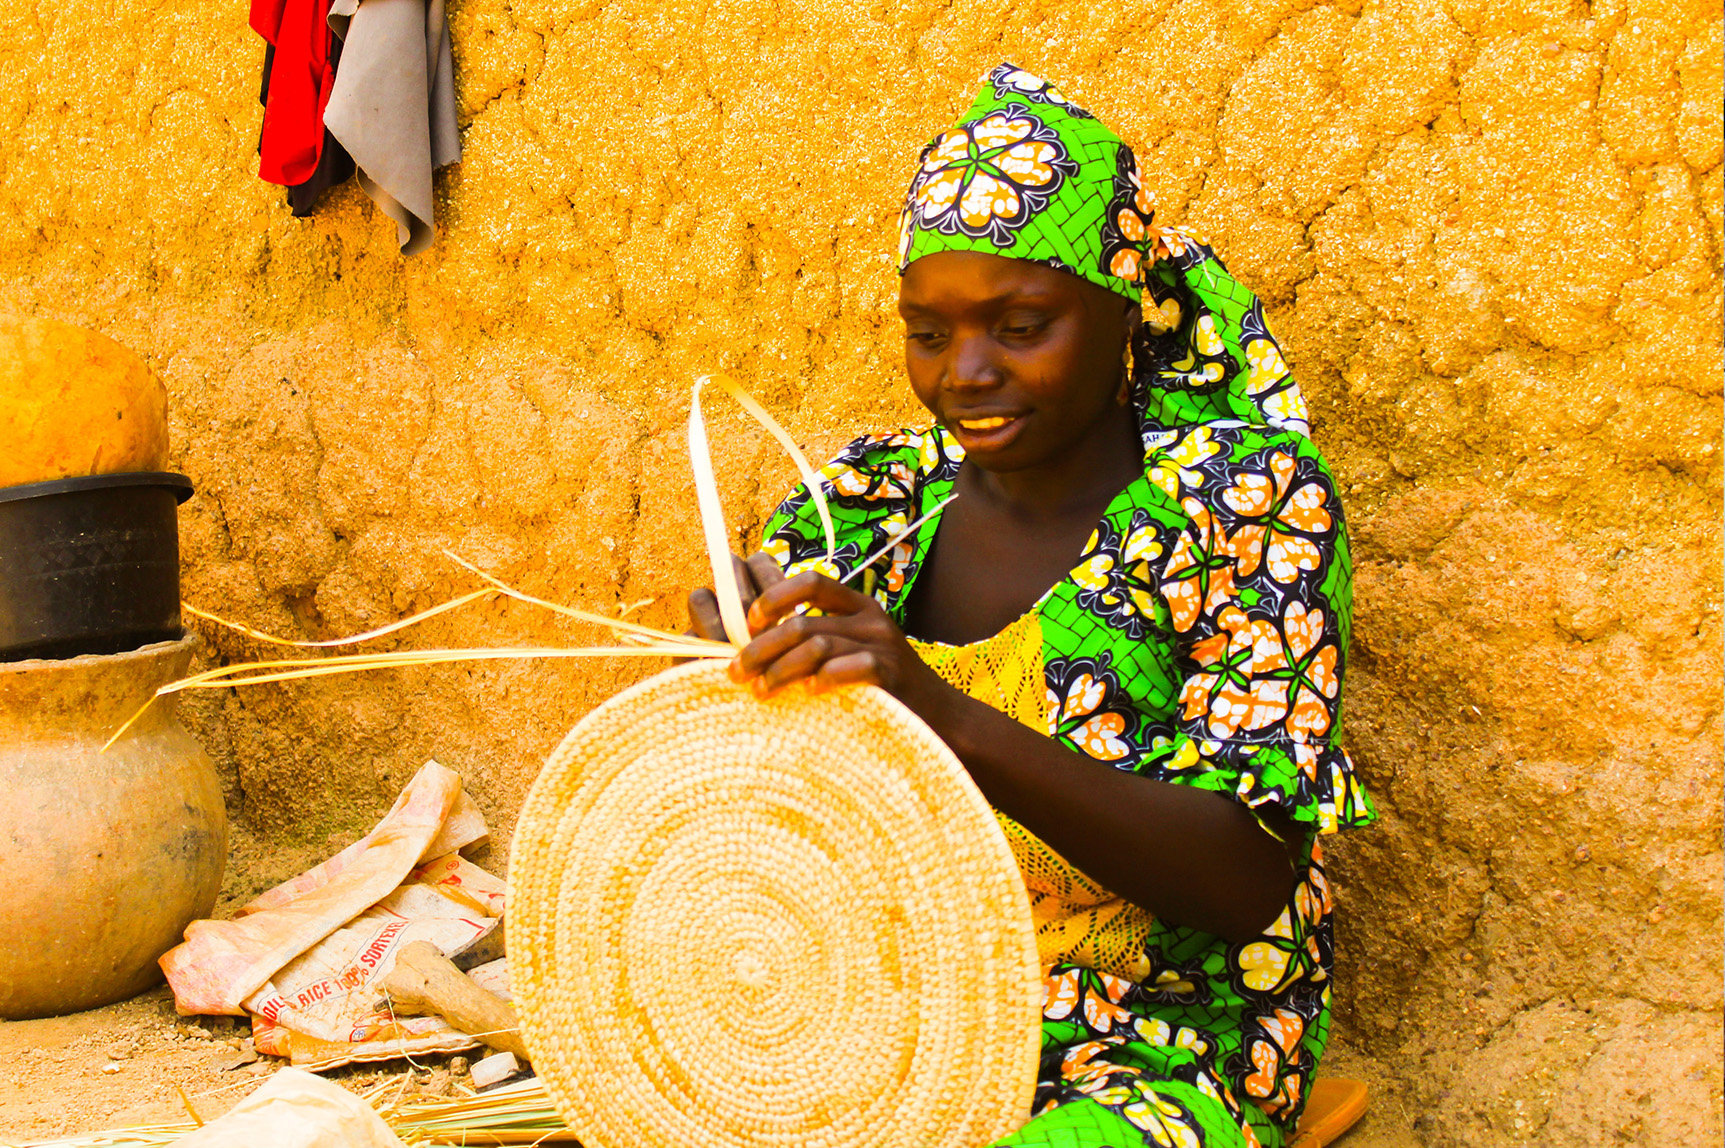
973 365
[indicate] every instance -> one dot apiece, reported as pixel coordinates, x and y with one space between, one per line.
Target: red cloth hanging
301 76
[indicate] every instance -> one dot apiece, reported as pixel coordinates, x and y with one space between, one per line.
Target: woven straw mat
781 922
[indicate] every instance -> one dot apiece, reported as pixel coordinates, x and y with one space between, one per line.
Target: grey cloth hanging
393 105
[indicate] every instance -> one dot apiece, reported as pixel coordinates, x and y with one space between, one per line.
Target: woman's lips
986 432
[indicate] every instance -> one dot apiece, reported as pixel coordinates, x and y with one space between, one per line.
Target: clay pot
106 856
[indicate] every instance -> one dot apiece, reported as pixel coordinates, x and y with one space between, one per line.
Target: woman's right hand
753 577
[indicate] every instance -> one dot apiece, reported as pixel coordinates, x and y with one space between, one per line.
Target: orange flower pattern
1086 708
1284 518
1130 218
986 178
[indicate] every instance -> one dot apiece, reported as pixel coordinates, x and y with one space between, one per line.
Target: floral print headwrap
1028 174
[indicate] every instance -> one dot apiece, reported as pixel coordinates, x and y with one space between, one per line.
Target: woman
1129 624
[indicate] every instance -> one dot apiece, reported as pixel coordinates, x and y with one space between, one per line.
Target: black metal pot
90 565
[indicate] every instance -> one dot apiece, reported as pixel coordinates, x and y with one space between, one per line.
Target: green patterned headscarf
1028 174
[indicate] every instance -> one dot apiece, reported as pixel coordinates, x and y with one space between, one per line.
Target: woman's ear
1131 317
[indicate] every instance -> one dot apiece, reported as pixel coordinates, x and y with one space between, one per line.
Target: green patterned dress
1200 639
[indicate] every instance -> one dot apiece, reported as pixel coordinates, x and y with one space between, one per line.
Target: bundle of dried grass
519 1113
142 1136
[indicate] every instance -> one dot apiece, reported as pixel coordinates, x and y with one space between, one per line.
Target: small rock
119 1051
1587 622
111 1066
494 1070
248 1055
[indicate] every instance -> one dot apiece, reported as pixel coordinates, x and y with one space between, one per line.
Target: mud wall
1488 231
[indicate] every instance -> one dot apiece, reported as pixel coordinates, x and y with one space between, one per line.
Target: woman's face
1021 362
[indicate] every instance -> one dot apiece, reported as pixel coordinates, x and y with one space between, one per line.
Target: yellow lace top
1077 920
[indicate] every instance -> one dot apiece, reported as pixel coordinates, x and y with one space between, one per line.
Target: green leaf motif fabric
1200 640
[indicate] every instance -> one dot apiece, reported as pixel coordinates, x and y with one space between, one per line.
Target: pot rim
178 483
186 641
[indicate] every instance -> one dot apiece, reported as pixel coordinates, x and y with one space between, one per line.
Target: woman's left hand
851 641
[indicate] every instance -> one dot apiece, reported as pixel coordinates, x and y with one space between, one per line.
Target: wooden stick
425 981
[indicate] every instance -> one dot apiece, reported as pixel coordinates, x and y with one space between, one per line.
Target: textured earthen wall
1488 231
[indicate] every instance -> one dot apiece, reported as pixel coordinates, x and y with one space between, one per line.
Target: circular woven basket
782 922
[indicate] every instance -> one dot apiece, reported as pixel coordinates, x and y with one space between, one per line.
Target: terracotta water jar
105 857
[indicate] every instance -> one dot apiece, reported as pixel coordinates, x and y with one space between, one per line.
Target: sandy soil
126 1065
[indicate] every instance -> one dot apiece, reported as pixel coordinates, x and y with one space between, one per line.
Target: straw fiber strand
782 922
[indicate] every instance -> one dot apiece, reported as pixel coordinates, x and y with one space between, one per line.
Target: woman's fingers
806 589
758 573
746 588
704 614
843 639
773 644
753 576
859 667
802 661
765 570
833 645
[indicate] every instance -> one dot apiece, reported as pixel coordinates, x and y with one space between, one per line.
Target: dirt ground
127 1064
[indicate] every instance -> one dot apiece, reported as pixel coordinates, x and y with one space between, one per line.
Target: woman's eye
1022 328
926 338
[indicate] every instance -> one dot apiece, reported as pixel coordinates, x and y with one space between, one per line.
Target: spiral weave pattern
786 922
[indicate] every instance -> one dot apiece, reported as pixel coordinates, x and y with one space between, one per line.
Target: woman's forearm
1189 856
